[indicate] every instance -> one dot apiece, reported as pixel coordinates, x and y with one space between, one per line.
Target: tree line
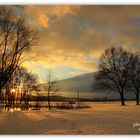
119 70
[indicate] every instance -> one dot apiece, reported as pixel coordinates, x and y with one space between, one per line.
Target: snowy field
101 118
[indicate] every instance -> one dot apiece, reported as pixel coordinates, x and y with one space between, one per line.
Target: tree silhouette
114 66
134 76
51 86
29 82
15 38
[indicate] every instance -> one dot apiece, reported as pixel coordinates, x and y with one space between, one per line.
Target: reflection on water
11 110
16 109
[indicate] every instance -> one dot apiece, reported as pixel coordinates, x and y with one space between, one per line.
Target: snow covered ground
102 118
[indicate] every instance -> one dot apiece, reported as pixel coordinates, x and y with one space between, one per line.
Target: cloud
76 36
41 14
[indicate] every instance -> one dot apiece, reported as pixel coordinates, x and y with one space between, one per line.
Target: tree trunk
122 98
0 94
49 104
137 98
37 99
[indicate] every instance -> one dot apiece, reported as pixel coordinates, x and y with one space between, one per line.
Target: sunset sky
72 38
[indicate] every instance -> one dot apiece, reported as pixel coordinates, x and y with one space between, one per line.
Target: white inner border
70 2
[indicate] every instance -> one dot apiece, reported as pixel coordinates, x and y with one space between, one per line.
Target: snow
102 118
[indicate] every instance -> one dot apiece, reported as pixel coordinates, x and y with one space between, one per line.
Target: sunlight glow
11 110
13 90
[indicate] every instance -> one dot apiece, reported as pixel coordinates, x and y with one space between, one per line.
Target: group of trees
119 70
28 82
16 37
20 87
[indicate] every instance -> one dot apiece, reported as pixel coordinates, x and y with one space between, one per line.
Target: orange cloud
41 13
65 9
42 19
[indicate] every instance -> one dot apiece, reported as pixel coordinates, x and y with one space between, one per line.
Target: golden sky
72 38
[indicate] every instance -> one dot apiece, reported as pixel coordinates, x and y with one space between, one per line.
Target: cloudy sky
72 38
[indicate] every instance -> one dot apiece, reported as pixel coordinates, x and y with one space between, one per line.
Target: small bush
68 105
81 106
64 105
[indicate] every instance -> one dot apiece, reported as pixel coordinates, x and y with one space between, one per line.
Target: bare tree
52 86
15 38
134 76
113 71
29 81
38 92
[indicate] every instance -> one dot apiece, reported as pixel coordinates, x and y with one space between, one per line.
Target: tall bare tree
114 66
52 86
135 76
15 38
